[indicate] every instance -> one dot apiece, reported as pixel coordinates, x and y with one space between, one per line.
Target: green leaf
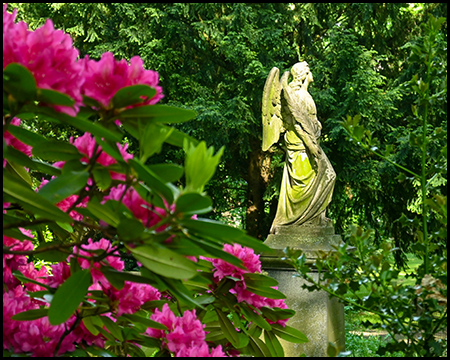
177 138
152 180
200 165
119 277
250 315
274 314
151 138
17 274
19 82
216 251
289 334
238 340
158 113
53 255
259 279
18 157
54 97
273 344
147 322
167 172
91 321
26 136
68 296
103 211
56 150
112 327
19 171
221 232
130 95
31 314
164 262
80 123
193 203
259 347
32 201
63 186
130 229
102 177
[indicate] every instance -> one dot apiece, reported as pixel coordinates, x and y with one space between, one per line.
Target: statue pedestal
320 318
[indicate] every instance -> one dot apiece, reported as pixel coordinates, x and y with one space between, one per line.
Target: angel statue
308 177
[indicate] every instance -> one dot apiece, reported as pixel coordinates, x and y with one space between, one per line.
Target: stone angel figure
308 177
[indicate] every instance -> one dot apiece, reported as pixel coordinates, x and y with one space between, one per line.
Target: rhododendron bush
199 290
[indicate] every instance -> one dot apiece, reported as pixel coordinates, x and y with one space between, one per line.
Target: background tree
214 58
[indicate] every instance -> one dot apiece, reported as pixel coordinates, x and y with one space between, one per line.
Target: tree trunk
257 179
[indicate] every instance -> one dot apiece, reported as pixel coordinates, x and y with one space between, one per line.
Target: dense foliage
214 58
197 289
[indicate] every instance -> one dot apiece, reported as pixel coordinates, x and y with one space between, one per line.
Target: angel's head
301 72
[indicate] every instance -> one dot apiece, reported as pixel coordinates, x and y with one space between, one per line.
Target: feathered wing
299 111
271 110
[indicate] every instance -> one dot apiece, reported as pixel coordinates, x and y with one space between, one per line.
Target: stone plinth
320 318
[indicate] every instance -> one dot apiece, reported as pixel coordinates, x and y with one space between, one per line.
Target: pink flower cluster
40 338
54 63
185 336
253 265
106 76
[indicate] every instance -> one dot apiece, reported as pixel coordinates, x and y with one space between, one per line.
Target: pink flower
142 210
86 145
248 257
132 296
60 273
106 76
37 337
200 351
48 54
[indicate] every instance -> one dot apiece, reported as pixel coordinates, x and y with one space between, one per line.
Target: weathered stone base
320 318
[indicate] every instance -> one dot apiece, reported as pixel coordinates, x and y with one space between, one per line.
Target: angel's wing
298 110
271 110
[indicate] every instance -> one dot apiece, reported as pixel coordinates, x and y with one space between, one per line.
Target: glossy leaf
238 340
17 274
26 136
90 322
200 165
289 334
273 344
68 296
112 327
63 186
102 177
151 138
130 228
251 316
53 97
131 95
53 254
193 203
103 211
19 82
259 347
221 232
167 172
19 171
158 113
164 262
147 322
31 314
152 180
18 157
32 201
217 251
56 150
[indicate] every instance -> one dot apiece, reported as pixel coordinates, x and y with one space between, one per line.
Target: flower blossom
106 76
48 54
185 335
